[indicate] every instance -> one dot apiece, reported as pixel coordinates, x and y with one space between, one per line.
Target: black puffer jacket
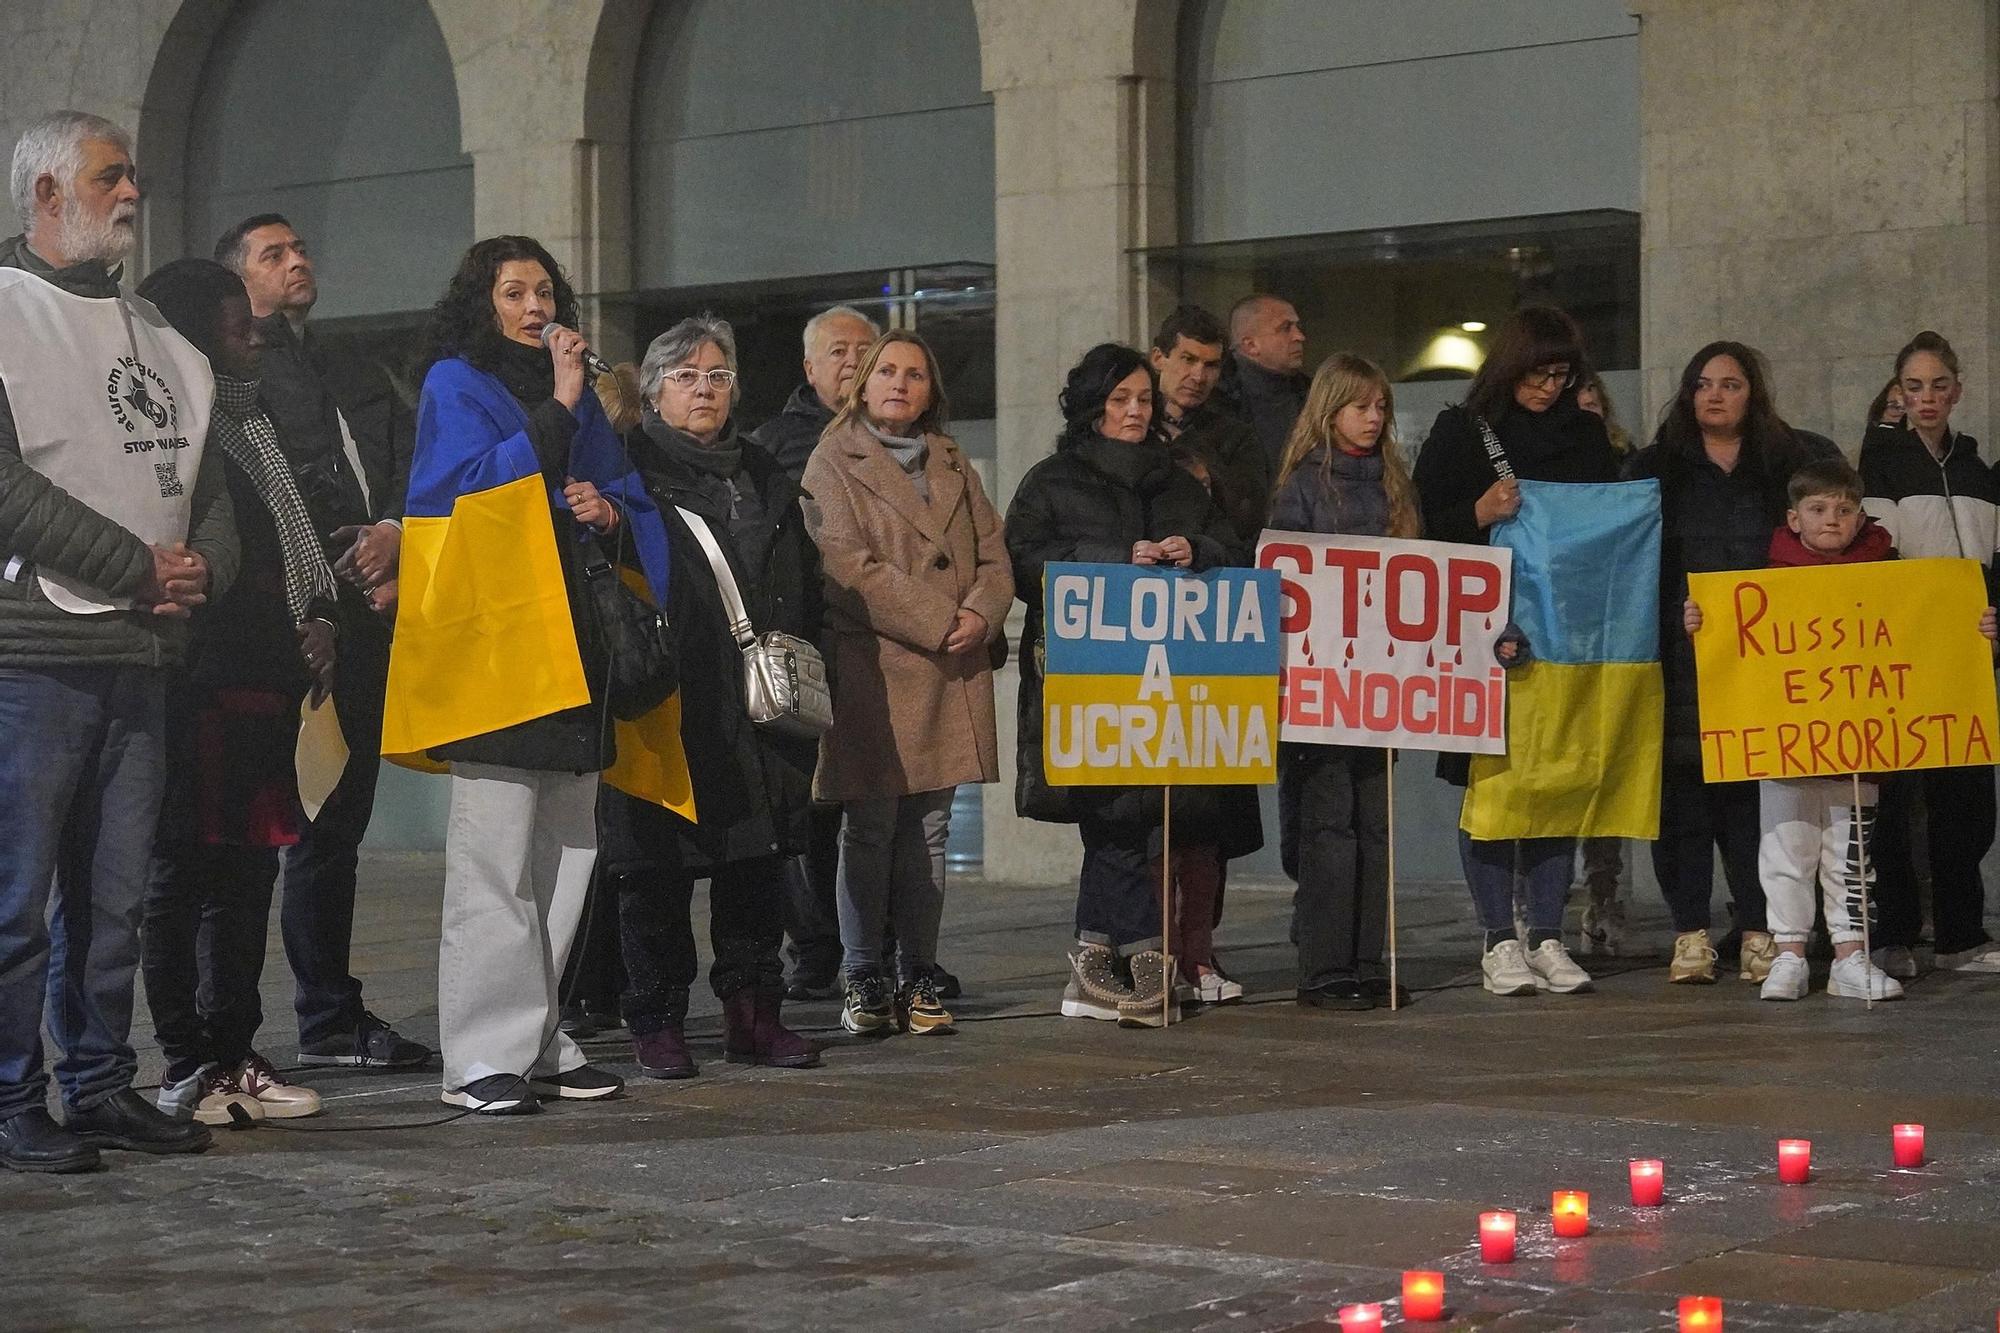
752 789
44 526
1268 400
1710 520
1453 470
1090 502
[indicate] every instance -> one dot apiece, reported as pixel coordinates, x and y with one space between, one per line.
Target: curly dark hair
1089 384
1770 449
462 322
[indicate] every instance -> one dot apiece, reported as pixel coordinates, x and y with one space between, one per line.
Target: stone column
1818 183
1083 126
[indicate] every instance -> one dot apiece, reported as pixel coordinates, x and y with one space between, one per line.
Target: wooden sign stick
1389 758
1167 974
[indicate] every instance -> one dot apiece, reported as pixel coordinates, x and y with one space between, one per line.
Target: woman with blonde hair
1340 473
917 585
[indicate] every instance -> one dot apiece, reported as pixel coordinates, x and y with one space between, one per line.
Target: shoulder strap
1493 449
725 582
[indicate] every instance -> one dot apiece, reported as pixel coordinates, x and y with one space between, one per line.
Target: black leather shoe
1340 993
1378 991
33 1141
127 1120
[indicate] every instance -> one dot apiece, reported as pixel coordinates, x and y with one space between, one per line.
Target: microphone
592 362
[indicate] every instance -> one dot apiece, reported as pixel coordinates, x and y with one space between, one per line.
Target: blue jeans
1546 868
81 774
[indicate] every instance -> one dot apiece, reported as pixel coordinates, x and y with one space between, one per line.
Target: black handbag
633 649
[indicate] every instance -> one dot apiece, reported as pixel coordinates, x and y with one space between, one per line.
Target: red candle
1701 1314
1361 1319
1572 1212
1794 1160
1649 1182
1496 1238
1423 1296
1909 1145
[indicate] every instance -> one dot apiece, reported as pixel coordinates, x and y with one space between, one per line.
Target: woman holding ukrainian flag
515 467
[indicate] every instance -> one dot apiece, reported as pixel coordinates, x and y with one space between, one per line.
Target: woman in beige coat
917 584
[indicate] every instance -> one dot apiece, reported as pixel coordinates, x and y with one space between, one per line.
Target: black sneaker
868 1011
581 1084
127 1120
496 1094
805 985
33 1141
947 984
1340 993
372 1045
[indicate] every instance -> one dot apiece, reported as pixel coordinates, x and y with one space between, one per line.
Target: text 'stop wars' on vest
134 384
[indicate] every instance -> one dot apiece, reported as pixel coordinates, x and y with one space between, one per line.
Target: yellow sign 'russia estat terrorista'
1834 669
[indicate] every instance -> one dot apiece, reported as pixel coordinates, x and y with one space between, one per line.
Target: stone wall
1818 182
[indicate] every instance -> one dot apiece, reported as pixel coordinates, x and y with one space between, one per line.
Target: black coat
791 436
1710 520
1453 470
752 788
245 639
1239 472
1268 401
1074 505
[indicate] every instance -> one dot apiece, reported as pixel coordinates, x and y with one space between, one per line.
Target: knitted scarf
243 430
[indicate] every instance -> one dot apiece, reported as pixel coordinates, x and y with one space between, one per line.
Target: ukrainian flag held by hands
1584 717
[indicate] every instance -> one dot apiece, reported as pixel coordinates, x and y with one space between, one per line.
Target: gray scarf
243 430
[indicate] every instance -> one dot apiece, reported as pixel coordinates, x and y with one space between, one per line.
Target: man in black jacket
101 400
1187 355
1264 381
354 495
835 342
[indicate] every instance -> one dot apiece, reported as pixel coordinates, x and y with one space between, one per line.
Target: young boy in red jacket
1811 828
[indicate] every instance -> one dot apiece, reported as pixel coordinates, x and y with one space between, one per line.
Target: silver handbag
784 677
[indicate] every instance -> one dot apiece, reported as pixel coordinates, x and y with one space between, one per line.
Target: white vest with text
111 404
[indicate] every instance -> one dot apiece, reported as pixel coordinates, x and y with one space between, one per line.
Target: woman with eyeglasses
917 584
1724 459
1525 393
752 786
1925 483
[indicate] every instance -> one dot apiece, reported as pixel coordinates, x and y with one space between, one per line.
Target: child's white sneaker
1856 977
1787 978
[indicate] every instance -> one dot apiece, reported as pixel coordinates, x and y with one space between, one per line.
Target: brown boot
739 1026
777 1044
664 1054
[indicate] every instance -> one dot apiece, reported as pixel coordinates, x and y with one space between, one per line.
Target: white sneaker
1986 958
1215 988
209 1096
1788 977
1505 970
1601 930
1554 970
1855 977
1897 961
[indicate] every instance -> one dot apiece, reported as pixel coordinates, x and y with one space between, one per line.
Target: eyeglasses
687 377
1540 378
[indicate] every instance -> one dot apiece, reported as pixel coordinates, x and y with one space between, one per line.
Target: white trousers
517 859
1811 830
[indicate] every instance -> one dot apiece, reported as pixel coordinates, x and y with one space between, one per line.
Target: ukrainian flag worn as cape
484 638
1584 717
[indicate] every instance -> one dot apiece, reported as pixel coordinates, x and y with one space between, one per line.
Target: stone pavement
1250 1169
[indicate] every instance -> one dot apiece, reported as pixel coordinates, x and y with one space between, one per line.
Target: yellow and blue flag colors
484 636
1159 677
1584 717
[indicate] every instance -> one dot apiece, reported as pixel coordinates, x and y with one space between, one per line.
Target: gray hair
677 346
53 146
826 317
